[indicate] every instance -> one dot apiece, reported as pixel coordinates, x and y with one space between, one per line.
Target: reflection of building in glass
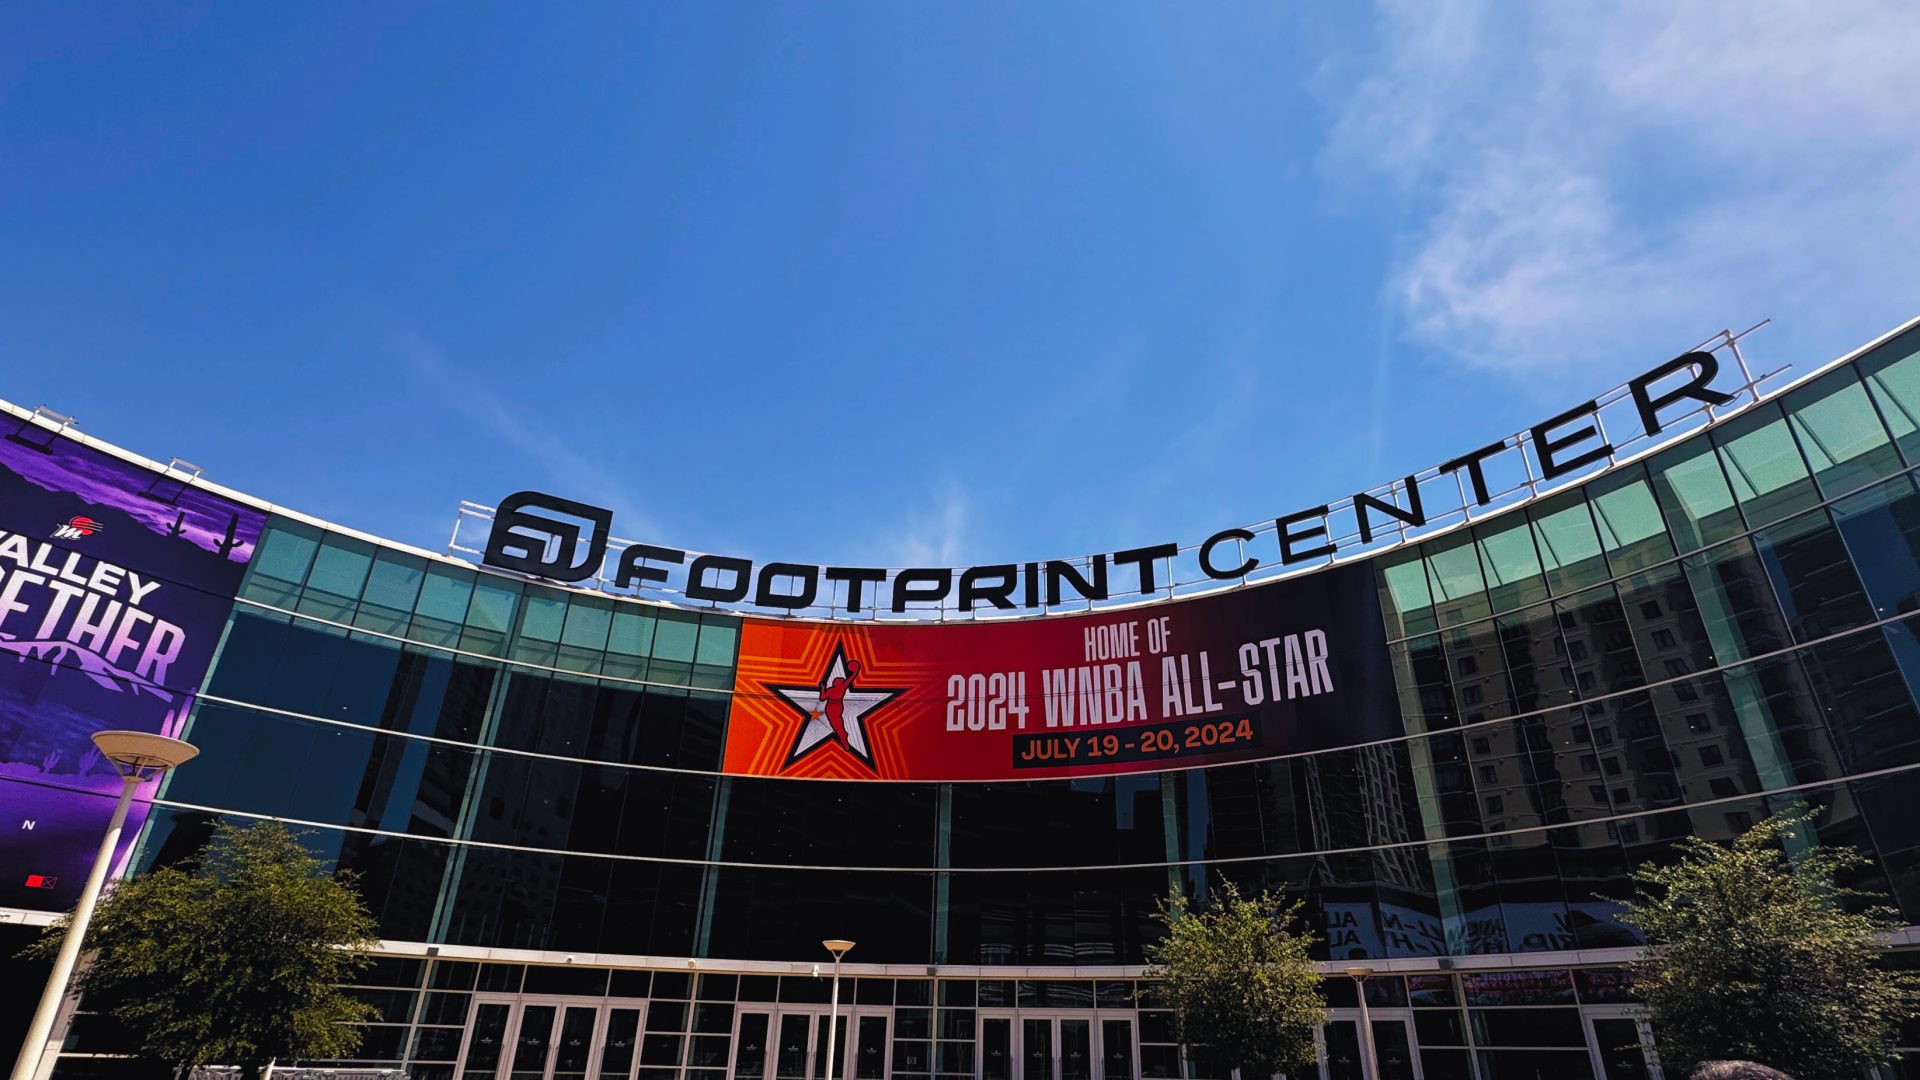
528 781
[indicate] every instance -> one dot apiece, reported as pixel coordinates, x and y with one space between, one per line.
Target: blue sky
918 283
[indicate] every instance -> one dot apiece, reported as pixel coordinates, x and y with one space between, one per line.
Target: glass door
1117 1049
996 1047
752 1035
573 1048
486 1039
1617 1041
1028 1047
1343 1058
515 1039
532 1042
1037 1057
619 1044
869 1045
782 1044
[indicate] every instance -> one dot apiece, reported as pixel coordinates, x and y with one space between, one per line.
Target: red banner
1258 672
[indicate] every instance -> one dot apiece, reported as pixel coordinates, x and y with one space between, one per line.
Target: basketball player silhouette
833 700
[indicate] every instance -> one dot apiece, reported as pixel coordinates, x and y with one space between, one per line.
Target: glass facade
1676 647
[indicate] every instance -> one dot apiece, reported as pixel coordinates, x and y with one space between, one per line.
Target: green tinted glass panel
675 635
339 571
280 563
1514 575
1892 374
542 616
1694 493
1405 598
1567 543
1460 589
585 636
1631 529
628 643
444 594
489 617
1764 465
392 587
713 659
1841 433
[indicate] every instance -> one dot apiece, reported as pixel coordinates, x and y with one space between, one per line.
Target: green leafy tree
1752 955
1242 985
236 958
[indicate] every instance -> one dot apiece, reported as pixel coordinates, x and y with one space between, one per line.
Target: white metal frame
1096 1039
847 1049
1376 1014
1589 1014
517 1005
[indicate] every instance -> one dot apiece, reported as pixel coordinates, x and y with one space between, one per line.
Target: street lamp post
1359 975
839 947
137 756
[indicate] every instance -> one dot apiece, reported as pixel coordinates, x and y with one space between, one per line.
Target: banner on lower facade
1293 666
115 582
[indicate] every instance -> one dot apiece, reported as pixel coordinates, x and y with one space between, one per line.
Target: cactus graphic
89 759
230 540
47 763
179 524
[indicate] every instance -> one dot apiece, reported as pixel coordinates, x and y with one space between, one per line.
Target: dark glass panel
1035 917
763 912
1426 693
1813 579
1869 708
828 823
1881 528
1050 823
1736 601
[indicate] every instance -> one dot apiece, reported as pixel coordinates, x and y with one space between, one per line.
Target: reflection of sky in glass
106 481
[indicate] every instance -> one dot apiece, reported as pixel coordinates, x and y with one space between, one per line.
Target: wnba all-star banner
1291 666
115 581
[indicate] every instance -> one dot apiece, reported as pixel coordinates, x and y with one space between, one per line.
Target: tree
236 958
1751 954
1243 987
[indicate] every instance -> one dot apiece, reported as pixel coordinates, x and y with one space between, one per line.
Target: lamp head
839 947
1359 972
141 753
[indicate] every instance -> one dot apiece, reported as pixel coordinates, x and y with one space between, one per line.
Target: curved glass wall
1675 648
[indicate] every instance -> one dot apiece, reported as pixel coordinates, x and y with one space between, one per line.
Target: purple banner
115 581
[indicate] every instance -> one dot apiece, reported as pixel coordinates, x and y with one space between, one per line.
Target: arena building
607 799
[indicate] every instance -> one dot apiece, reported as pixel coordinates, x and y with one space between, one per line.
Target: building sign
561 540
1292 666
115 581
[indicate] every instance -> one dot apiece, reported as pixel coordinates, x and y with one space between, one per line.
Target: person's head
1736 1070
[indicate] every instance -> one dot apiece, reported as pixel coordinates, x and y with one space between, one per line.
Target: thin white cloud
1587 185
577 475
936 535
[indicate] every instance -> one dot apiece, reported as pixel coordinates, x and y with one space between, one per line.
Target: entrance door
1617 1041
784 1043
1027 1046
1341 1057
516 1039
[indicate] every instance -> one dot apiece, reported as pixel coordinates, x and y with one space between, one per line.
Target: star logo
834 711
